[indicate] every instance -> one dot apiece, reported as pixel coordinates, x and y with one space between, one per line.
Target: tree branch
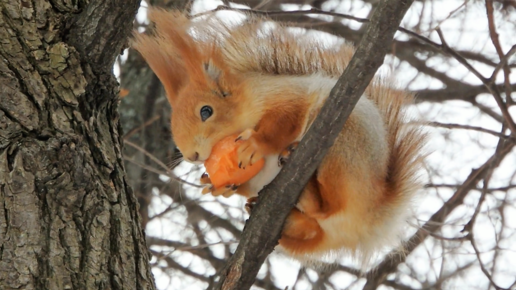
263 229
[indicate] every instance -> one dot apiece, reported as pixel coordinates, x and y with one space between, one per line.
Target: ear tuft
212 71
169 50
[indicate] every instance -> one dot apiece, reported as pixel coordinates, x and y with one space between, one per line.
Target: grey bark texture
68 219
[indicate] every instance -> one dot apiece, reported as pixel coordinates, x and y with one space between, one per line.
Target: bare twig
492 89
469 226
503 63
496 42
482 267
161 164
468 127
141 127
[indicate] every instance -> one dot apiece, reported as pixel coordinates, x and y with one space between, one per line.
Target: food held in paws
222 165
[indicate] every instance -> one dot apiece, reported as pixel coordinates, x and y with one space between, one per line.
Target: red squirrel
263 81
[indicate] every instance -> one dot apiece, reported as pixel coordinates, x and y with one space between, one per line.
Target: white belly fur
266 175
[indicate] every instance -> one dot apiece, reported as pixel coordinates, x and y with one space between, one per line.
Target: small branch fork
488 82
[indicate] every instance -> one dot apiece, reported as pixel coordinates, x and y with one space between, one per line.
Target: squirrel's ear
170 52
164 61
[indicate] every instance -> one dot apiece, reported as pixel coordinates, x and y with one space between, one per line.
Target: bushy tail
405 141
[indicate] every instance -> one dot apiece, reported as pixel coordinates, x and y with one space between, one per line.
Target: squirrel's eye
206 112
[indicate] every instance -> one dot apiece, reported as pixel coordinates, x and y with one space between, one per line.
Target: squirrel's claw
231 190
226 191
285 154
205 179
207 189
245 135
249 150
251 202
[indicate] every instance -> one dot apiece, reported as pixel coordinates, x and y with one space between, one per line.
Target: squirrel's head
207 101
203 112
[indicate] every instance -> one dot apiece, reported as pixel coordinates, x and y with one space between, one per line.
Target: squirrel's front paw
251 202
249 150
285 154
225 191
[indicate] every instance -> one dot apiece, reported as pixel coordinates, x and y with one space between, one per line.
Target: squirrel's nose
195 157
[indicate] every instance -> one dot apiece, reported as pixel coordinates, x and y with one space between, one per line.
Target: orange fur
280 125
301 233
267 84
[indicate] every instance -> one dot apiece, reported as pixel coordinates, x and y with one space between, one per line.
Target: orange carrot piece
222 165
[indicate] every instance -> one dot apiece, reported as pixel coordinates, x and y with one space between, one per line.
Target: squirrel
264 81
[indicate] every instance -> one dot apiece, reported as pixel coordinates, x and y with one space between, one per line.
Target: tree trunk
68 219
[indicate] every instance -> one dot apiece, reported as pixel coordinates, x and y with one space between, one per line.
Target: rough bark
68 219
262 231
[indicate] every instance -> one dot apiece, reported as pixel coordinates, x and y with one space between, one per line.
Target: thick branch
263 230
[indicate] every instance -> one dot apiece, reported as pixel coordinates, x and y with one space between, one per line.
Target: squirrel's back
279 50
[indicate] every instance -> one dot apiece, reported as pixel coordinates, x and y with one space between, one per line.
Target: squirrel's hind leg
301 233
